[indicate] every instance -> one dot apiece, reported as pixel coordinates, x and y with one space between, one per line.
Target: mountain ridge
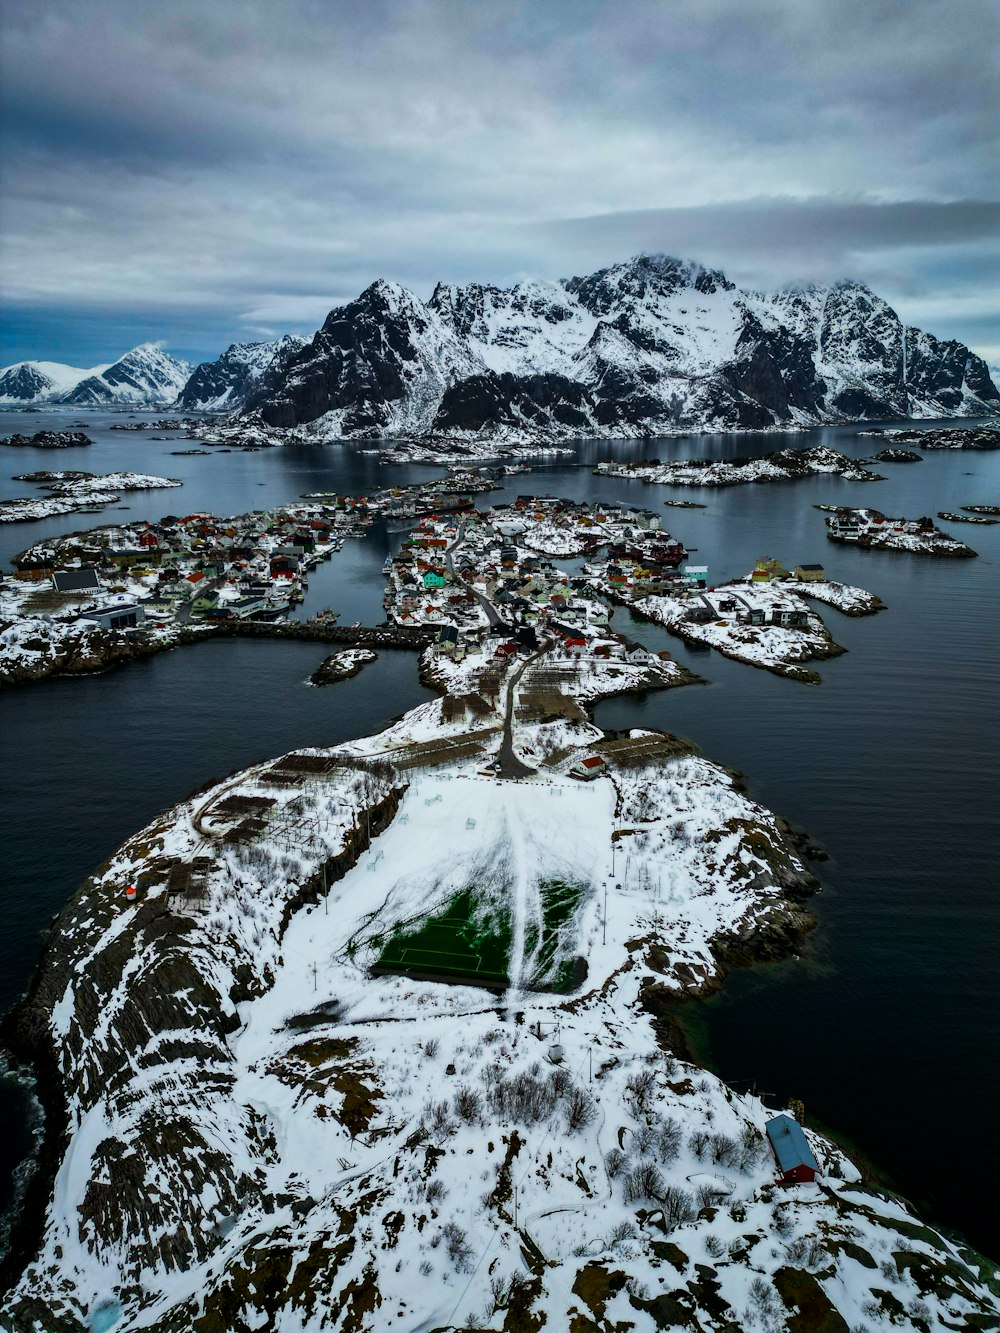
643 347
647 346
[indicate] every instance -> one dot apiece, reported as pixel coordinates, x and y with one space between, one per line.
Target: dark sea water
888 1028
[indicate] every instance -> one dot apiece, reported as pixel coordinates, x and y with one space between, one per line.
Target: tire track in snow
518 895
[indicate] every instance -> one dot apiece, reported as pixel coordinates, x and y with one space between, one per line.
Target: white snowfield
265 1133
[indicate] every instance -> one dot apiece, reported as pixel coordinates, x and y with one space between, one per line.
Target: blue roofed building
794 1157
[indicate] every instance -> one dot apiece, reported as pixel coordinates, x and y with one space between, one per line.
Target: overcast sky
202 172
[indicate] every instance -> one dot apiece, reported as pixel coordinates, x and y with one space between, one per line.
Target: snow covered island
782 465
872 530
388 1029
71 492
48 439
975 438
342 665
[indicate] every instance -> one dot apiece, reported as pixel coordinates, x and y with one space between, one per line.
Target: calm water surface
889 1028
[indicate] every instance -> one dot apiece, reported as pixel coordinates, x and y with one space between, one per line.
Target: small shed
588 769
792 1154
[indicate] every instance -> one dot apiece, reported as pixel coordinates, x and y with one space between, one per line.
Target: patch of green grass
464 940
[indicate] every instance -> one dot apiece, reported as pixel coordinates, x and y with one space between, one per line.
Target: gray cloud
248 165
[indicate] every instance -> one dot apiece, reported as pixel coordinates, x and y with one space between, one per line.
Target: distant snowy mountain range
146 376
644 347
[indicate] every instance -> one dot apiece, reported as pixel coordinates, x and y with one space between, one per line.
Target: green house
432 579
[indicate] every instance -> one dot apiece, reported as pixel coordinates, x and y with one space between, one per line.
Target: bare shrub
817 1256
724 1151
668 1140
459 1249
715 1246
523 1098
505 1290
430 1047
580 1110
797 1250
706 1196
436 1191
643 1182
677 1204
623 1231
615 1162
436 1117
640 1092
560 1080
468 1105
698 1143
643 1140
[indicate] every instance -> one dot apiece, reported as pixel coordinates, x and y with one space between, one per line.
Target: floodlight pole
605 911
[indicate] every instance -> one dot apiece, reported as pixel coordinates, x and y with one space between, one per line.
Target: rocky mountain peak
645 279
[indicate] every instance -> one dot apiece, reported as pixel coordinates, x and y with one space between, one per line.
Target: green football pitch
457 943
471 943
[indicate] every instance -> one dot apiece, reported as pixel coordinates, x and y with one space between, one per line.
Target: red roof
595 761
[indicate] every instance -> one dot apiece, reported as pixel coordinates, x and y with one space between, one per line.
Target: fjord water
889 1027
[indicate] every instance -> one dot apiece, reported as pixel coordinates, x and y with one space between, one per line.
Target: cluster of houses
862 527
199 567
493 594
185 567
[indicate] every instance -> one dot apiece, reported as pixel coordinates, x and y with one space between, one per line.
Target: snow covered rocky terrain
384 1035
645 347
256 1122
225 384
144 377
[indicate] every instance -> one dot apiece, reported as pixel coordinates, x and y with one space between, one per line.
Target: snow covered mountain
41 381
222 385
145 376
643 347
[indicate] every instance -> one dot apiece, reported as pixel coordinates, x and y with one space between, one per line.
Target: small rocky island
782 465
48 439
342 665
974 438
967 518
898 456
872 530
71 492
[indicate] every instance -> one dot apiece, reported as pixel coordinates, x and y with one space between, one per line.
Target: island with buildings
298 1063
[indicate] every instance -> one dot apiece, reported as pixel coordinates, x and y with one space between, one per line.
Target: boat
387 566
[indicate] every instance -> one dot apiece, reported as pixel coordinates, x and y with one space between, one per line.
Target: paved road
495 619
510 765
